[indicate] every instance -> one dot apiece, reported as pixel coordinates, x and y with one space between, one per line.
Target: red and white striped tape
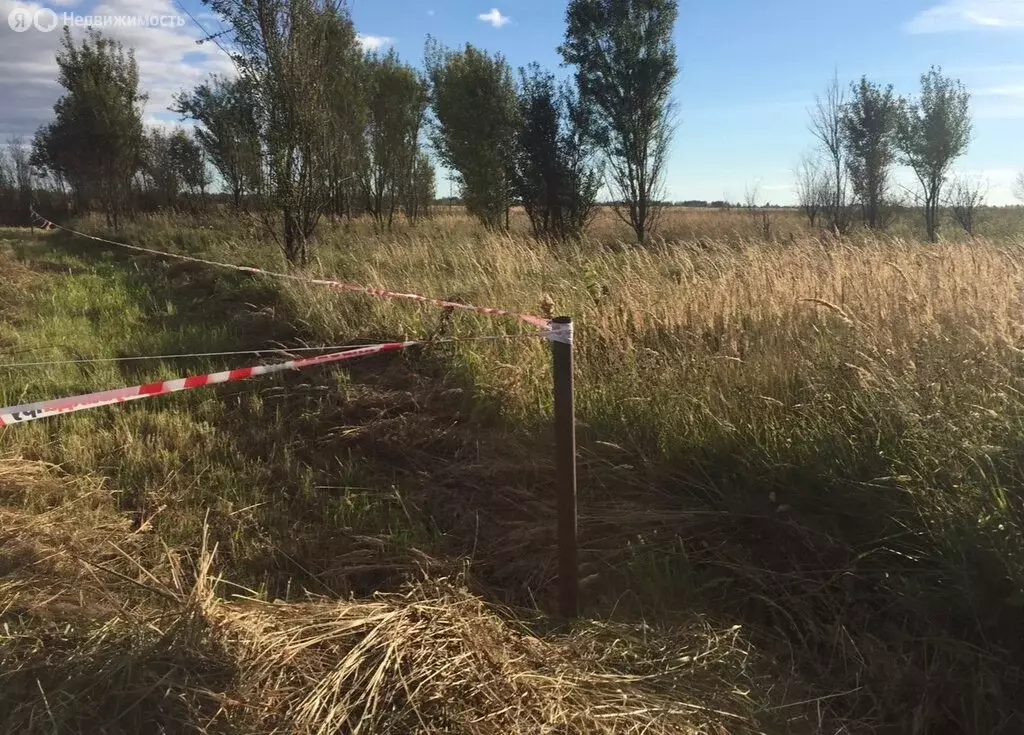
535 321
44 409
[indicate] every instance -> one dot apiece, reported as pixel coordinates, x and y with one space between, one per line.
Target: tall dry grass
815 439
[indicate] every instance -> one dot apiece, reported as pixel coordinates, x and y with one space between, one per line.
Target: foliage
932 132
293 56
625 62
555 175
476 119
96 140
396 101
869 122
228 131
419 194
159 169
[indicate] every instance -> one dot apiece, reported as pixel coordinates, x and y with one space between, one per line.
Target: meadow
800 483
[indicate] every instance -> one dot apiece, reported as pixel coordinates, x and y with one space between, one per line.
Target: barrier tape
561 332
45 409
535 321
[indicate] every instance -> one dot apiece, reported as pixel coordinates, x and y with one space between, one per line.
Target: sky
749 70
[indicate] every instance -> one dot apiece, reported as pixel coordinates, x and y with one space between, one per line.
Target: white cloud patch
374 43
169 61
495 18
1009 90
1001 102
969 15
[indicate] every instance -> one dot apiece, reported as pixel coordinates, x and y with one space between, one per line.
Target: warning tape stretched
44 409
535 321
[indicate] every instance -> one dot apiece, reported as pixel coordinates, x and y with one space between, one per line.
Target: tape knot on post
560 331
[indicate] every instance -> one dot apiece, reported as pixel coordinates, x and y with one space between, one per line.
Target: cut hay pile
104 631
436 659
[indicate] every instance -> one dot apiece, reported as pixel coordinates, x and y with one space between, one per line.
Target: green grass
251 455
816 441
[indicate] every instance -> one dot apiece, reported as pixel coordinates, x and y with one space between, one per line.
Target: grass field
800 485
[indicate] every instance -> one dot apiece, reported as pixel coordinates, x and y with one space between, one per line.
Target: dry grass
94 641
814 440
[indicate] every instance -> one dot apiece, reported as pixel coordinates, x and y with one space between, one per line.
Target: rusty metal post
565 465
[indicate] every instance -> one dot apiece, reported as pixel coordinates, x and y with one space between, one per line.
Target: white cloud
969 15
495 18
1008 90
374 43
169 61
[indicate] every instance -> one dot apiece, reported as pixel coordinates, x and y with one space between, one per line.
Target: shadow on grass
95 678
349 485
308 481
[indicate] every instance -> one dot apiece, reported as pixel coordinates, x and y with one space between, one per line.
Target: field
801 475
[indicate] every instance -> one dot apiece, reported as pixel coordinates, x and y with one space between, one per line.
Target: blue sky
749 70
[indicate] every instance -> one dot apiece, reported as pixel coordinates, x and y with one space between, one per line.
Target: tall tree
555 177
476 118
625 62
19 176
189 161
290 54
1018 186
869 134
96 139
418 195
932 132
396 101
228 131
348 156
826 125
159 171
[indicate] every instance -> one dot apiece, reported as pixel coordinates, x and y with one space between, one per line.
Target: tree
625 62
826 125
16 175
418 194
397 101
932 132
96 141
813 191
1018 186
189 161
291 55
964 198
555 177
347 157
869 135
228 131
476 118
159 171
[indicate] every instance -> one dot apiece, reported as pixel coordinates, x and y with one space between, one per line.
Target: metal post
565 465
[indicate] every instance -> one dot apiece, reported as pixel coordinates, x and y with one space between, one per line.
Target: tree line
310 125
863 132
